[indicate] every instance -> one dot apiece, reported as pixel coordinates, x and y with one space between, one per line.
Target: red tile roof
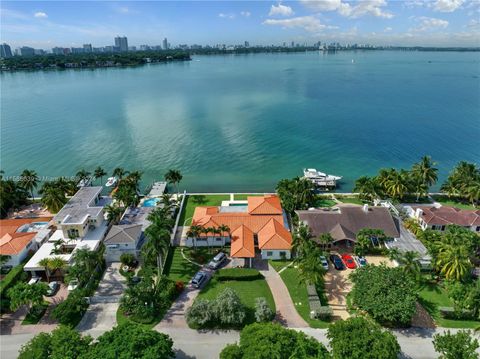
13 242
450 215
264 215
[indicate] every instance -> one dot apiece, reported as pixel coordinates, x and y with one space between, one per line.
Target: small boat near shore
111 181
320 179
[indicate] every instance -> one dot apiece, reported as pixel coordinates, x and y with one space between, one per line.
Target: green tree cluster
295 194
461 345
12 195
386 294
464 182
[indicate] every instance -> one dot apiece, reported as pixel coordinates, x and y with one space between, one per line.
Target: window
283 254
477 229
269 253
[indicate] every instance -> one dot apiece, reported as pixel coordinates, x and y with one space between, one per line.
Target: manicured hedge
238 274
11 278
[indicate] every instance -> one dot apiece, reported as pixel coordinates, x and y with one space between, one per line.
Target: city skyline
378 22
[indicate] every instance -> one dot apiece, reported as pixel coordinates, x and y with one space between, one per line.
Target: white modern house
80 224
123 238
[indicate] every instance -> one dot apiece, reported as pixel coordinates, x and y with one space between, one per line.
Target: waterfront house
123 238
439 218
257 225
19 237
343 223
80 224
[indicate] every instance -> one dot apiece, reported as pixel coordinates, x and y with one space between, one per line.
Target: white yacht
111 181
320 178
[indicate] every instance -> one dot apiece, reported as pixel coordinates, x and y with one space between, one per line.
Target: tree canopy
461 345
268 340
359 338
387 294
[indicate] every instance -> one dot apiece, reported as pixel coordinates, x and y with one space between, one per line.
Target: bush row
15 275
238 274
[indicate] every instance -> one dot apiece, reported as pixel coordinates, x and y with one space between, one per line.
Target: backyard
178 268
298 292
247 290
432 297
193 201
351 200
243 197
453 202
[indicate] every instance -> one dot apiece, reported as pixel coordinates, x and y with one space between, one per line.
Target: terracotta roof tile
450 215
242 245
264 205
13 242
274 236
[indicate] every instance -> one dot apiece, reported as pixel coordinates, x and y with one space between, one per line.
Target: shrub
15 275
461 345
70 311
231 351
127 259
238 274
200 314
263 313
323 313
226 311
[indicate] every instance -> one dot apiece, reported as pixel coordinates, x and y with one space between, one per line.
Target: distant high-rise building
87 48
247 44
165 44
27 51
77 50
144 47
293 43
39 52
109 48
5 51
121 43
57 51
132 48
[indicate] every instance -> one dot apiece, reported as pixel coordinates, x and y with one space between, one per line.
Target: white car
361 261
72 285
34 280
324 262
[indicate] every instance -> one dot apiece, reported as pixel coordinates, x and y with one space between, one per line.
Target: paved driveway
101 315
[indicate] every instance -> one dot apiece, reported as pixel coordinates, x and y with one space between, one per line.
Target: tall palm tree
310 266
425 175
472 192
119 172
410 264
133 178
325 240
174 177
453 260
113 213
29 180
99 173
52 264
301 238
367 187
223 228
85 261
83 175
397 185
53 197
156 246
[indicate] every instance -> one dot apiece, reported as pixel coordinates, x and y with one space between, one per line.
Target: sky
46 24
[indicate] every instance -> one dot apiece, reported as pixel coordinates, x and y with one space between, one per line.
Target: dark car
337 262
199 278
53 287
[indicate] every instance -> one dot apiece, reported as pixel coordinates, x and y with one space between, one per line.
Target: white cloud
226 16
40 15
280 10
245 13
430 23
447 5
309 23
365 7
387 29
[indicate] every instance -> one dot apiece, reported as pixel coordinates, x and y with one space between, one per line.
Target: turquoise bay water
241 123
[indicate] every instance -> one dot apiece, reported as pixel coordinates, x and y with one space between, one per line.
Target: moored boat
111 181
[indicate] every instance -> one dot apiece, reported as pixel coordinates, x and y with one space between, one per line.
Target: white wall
113 254
209 242
274 254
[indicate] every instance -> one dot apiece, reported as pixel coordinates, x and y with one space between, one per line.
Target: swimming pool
151 202
32 227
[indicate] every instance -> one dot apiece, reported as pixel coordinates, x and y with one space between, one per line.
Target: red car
348 260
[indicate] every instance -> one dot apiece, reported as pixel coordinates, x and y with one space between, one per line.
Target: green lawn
453 202
243 197
324 202
199 200
122 318
248 291
433 296
353 200
298 293
177 268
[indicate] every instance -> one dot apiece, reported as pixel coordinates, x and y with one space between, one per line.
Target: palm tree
367 187
410 264
425 175
113 213
195 232
397 185
51 265
223 228
156 246
133 178
99 173
394 254
29 180
309 265
301 238
85 261
53 197
83 175
453 260
325 240
174 177
472 192
119 172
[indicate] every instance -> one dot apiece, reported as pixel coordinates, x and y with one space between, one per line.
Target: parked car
34 280
337 262
52 288
72 285
348 260
198 279
324 262
217 261
362 262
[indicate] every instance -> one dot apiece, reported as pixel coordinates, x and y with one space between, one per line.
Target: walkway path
101 315
286 312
